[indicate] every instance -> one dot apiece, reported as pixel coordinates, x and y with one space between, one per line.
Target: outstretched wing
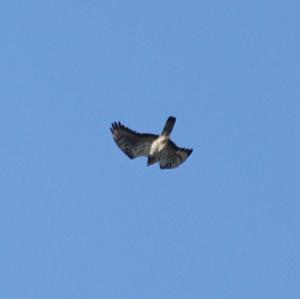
133 144
173 156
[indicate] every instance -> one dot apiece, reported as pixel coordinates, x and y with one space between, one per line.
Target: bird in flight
157 148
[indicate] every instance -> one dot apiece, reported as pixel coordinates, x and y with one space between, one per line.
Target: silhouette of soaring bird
157 148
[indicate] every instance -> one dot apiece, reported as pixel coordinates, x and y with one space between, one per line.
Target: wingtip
189 151
113 128
115 125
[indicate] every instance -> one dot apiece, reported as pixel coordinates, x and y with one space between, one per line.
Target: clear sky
78 219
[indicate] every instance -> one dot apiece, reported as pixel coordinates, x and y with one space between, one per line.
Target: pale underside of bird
157 148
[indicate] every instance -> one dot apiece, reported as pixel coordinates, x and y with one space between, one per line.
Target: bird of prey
157 148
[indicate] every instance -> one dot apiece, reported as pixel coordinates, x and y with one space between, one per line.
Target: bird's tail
169 126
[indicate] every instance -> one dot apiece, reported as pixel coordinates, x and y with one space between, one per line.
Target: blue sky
78 219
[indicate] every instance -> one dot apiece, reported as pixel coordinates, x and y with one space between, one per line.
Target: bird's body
158 145
155 147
